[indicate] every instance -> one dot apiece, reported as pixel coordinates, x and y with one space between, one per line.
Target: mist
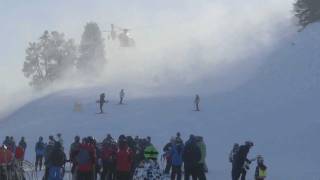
182 47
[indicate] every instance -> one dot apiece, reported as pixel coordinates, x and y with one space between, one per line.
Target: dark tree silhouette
307 12
49 59
92 50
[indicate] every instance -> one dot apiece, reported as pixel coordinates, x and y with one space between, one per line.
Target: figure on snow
122 94
102 101
197 102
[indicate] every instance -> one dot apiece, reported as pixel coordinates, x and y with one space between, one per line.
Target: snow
277 109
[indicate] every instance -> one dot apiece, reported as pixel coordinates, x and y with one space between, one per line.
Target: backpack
83 156
55 173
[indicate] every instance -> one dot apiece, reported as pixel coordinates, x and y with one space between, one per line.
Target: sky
178 42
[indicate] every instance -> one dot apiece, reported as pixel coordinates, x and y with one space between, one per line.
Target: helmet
260 158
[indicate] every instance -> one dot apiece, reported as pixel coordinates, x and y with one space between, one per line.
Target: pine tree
92 50
49 59
307 12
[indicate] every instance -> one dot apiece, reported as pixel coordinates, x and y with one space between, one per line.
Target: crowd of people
126 158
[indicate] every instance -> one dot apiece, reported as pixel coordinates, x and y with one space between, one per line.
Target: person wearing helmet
241 162
261 169
149 167
167 155
124 159
191 156
22 143
176 159
74 149
40 150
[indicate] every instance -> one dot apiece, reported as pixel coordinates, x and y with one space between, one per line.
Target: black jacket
191 154
57 157
241 156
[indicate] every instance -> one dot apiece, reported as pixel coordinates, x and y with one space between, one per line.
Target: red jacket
124 159
19 153
6 156
108 153
86 166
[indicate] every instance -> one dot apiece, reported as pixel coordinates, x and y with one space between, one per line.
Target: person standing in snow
12 144
40 150
124 159
191 157
102 101
197 102
261 169
148 168
122 94
22 143
57 159
48 150
108 157
167 155
176 160
232 156
241 161
74 149
86 161
202 162
19 154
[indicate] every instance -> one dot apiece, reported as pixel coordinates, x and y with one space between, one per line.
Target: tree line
53 56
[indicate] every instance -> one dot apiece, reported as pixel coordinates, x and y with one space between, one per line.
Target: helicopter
122 35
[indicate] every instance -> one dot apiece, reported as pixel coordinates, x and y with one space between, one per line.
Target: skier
102 101
241 161
197 102
149 168
124 159
232 156
261 169
86 161
40 150
19 154
167 155
202 163
6 158
48 150
176 159
74 149
23 143
122 94
6 141
108 156
57 159
12 144
191 156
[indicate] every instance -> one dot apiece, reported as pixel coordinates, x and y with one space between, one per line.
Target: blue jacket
40 148
176 155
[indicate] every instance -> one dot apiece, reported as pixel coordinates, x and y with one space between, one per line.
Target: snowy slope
277 109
